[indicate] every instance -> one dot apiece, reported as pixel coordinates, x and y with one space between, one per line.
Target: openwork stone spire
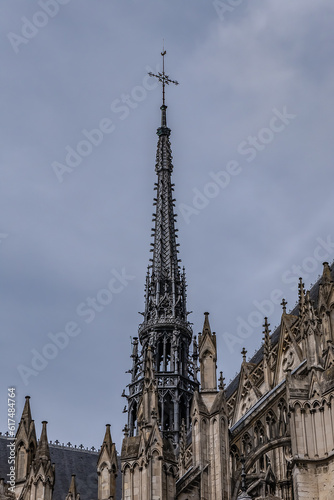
165 291
165 334
165 294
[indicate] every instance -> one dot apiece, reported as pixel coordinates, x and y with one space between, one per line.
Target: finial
43 452
221 382
266 326
206 326
165 80
126 431
283 304
301 291
266 339
326 275
243 352
26 414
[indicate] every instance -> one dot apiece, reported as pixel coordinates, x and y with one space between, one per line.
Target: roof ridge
69 446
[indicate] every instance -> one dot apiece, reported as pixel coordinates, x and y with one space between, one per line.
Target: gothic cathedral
268 435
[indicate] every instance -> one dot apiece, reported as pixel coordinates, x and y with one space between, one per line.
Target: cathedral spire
165 334
165 283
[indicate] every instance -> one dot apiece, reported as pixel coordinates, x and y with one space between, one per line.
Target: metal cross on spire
162 77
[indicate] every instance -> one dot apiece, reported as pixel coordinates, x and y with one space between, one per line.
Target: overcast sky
252 141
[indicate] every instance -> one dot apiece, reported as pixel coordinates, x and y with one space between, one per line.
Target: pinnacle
126 430
26 426
206 326
43 452
244 353
266 339
206 331
73 487
221 382
326 275
107 439
301 293
26 414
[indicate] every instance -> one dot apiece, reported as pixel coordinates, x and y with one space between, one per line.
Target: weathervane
162 77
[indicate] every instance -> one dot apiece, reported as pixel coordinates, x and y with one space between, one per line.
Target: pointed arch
255 456
259 433
271 421
22 461
234 458
283 419
247 443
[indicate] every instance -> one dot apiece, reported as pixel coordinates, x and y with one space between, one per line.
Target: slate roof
4 468
68 461
258 356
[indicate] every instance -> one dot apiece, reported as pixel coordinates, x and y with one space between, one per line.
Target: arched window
283 418
160 352
136 483
259 433
105 481
183 410
235 457
247 443
40 489
271 424
264 462
21 462
168 413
